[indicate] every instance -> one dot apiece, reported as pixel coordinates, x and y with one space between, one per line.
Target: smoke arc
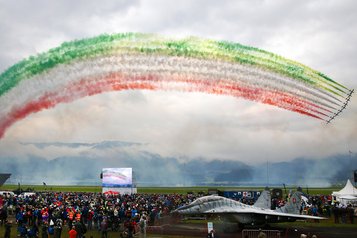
135 61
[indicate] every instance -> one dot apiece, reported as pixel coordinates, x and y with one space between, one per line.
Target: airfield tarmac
224 230
229 230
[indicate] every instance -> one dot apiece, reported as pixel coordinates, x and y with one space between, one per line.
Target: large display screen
117 177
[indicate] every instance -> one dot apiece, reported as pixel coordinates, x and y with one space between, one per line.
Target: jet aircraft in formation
342 108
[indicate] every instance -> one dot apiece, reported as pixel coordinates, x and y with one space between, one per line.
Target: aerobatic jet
236 211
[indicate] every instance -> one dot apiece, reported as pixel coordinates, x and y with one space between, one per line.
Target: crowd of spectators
47 213
323 205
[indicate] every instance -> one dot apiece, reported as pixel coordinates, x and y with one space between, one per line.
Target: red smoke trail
119 81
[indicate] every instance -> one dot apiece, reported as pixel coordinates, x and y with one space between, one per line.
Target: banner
117 178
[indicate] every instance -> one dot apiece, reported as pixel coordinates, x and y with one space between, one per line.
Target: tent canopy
349 189
348 197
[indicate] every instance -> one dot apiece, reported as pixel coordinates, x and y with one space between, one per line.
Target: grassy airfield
161 190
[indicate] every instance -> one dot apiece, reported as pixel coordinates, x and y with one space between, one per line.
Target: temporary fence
249 233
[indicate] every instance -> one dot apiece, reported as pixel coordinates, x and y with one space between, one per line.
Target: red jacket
72 233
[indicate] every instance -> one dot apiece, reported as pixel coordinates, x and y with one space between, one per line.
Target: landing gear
267 226
240 226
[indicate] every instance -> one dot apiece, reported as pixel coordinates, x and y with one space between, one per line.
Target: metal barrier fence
247 233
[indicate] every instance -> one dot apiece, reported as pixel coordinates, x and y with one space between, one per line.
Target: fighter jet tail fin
294 204
264 200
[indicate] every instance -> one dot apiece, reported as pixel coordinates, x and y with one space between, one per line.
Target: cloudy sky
321 34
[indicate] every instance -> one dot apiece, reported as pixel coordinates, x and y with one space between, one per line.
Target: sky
320 34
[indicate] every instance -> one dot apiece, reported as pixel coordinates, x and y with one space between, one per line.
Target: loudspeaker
355 176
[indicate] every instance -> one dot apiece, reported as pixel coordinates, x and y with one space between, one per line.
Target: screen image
117 177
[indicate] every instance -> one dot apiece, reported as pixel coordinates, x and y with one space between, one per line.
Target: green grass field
160 190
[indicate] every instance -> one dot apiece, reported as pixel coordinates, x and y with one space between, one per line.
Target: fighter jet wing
261 211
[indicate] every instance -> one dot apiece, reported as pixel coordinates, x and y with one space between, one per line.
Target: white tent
346 195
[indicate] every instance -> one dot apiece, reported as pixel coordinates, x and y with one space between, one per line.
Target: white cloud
318 33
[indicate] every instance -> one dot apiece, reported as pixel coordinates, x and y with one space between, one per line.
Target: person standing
104 228
262 235
72 233
142 225
51 229
90 216
212 234
79 228
343 212
131 228
8 225
335 211
58 229
44 229
350 212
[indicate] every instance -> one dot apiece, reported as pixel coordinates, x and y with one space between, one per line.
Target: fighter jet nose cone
175 212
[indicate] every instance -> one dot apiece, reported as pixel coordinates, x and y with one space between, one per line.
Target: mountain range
84 165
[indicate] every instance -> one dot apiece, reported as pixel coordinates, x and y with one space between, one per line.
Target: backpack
51 230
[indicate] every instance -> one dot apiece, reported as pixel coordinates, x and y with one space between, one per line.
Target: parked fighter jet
264 200
245 214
